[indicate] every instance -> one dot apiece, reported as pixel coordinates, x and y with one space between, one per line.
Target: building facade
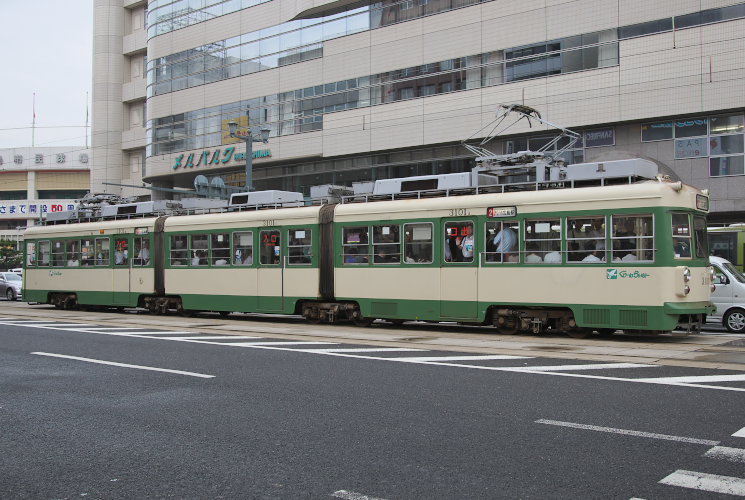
37 180
356 91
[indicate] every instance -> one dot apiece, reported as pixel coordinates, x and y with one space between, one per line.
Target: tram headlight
686 275
687 289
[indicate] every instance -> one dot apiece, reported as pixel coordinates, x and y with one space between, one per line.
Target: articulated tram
578 260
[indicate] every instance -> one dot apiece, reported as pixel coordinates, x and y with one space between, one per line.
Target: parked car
729 296
11 285
17 270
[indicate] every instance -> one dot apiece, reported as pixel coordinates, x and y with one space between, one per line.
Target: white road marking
706 482
214 337
567 368
59 326
725 453
269 344
740 433
351 495
475 357
699 379
110 328
627 432
135 334
124 365
365 349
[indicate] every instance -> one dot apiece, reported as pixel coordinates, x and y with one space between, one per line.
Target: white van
729 296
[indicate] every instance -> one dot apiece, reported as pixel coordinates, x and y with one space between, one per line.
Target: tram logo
612 274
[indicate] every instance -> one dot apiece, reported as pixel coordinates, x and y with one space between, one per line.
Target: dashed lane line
215 337
351 495
706 482
365 349
567 368
628 432
270 344
123 365
697 379
726 453
465 358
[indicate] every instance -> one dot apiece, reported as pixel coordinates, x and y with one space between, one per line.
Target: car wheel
10 294
734 321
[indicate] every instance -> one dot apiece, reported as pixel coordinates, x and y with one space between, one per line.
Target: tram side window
299 247
355 246
681 236
87 253
220 249
102 251
30 254
199 248
179 251
121 252
142 247
270 249
243 253
543 240
58 254
586 239
45 253
386 244
701 238
459 242
633 238
73 253
502 242
418 243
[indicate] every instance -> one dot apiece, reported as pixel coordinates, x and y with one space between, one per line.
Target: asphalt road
273 419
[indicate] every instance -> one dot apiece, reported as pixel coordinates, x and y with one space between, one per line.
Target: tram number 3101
459 212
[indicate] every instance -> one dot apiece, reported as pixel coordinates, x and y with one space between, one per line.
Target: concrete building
355 91
38 180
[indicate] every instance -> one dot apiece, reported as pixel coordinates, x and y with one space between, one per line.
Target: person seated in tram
552 257
144 253
592 257
532 257
73 261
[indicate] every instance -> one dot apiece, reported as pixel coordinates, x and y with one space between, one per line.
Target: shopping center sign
216 157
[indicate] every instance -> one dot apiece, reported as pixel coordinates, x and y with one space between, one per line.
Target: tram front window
681 236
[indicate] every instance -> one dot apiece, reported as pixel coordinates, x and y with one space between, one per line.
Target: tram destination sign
494 212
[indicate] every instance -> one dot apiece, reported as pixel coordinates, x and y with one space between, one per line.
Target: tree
10 257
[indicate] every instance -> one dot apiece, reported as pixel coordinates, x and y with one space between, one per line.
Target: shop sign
216 157
26 209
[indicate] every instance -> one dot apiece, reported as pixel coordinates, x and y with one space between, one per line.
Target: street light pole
249 140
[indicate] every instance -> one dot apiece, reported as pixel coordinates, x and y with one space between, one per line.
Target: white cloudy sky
46 47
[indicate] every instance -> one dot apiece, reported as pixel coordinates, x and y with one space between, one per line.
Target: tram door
270 272
459 270
121 258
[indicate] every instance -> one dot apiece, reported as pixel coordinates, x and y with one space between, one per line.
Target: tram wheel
396 322
606 332
579 333
224 314
510 326
363 322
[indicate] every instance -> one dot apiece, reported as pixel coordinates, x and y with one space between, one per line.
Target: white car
729 295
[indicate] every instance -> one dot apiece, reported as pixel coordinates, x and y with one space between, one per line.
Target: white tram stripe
698 379
366 349
124 365
706 482
566 368
268 344
628 432
726 453
465 358
740 433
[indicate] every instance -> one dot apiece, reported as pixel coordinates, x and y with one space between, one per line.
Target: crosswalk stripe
699 379
726 453
365 349
557 368
706 482
267 344
740 433
464 358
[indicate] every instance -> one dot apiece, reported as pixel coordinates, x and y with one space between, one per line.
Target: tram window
87 253
142 247
179 251
418 247
102 251
121 252
386 244
220 249
699 232
632 237
58 254
355 246
199 248
73 253
459 242
299 247
30 254
586 239
243 244
543 239
502 241
270 249
681 236
45 251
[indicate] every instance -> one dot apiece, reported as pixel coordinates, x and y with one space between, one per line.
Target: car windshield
734 272
12 277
